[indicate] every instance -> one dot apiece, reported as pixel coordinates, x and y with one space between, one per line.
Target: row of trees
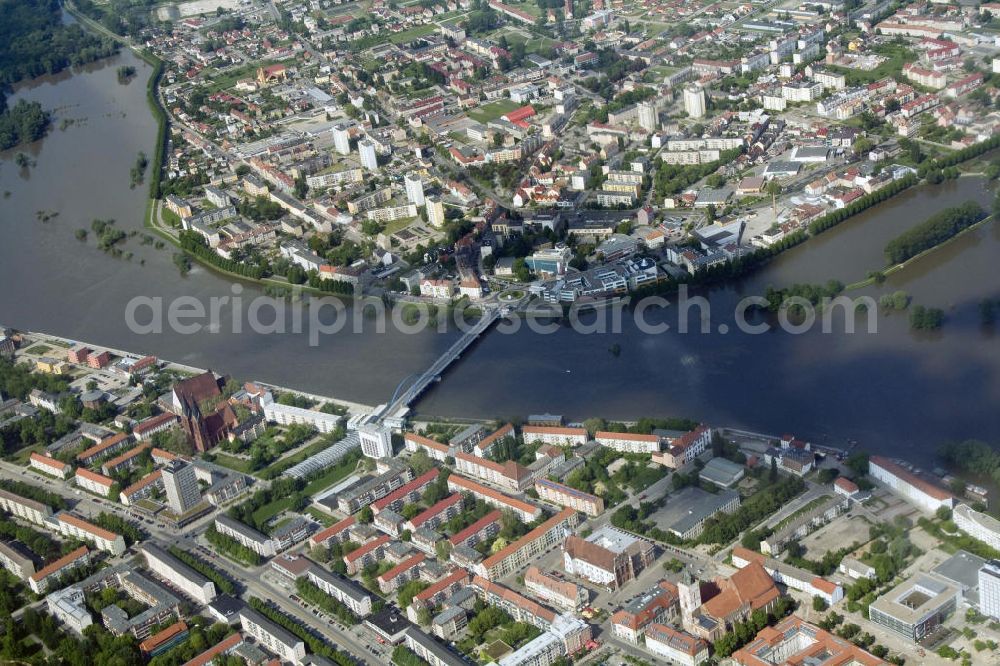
222 582
316 644
195 245
231 548
934 231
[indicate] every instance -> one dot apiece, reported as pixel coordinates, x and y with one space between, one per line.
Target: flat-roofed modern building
686 514
978 525
343 590
181 486
989 589
916 608
428 649
721 472
274 638
247 536
24 508
16 562
178 574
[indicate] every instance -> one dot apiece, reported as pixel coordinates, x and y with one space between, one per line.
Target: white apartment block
323 180
178 574
287 415
922 494
93 482
555 436
49 465
977 525
509 475
344 591
989 589
245 535
272 637
627 442
435 450
392 213
565 496
414 189
70 525
376 441
24 508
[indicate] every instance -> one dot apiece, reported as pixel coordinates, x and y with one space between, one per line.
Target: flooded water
894 390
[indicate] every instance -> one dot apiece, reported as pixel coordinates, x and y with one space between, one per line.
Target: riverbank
353 408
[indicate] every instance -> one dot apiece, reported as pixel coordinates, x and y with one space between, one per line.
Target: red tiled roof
142 483
103 445
420 440
444 583
333 530
82 524
94 476
405 565
404 490
479 489
211 653
153 422
482 523
49 461
365 549
63 561
905 475
443 505
162 637
536 533
553 430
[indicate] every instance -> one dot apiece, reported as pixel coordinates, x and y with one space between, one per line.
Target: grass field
412 33
493 110
332 476
269 511
233 462
399 225
322 517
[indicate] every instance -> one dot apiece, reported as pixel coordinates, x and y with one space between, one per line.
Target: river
893 391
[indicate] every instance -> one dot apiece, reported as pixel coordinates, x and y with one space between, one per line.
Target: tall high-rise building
414 189
435 212
369 159
648 117
989 589
342 139
694 101
376 441
181 486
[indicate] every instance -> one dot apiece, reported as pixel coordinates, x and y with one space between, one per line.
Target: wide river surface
894 391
